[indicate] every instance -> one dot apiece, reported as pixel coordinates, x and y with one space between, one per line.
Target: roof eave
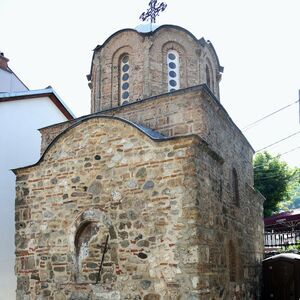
49 91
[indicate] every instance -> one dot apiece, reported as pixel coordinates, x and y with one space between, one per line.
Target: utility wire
274 176
271 114
270 172
277 156
278 141
290 151
270 177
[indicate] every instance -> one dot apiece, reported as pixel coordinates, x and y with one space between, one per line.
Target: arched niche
88 238
232 262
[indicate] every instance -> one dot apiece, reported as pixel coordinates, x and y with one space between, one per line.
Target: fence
278 239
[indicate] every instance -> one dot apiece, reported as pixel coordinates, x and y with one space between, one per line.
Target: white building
22 113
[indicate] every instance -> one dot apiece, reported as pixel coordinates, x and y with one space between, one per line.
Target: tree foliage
273 179
294 188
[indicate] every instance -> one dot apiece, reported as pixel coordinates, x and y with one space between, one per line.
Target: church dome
135 64
144 28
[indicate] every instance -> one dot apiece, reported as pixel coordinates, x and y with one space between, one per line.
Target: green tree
294 190
273 178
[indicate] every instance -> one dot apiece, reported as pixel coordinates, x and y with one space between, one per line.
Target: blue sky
51 43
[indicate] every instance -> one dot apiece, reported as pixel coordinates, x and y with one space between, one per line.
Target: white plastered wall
19 146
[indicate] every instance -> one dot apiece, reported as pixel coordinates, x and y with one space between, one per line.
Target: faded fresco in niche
89 243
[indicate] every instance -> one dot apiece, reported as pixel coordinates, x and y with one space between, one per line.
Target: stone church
151 195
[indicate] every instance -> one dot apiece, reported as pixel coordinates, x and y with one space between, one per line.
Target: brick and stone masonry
176 201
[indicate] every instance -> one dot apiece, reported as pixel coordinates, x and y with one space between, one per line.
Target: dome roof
144 28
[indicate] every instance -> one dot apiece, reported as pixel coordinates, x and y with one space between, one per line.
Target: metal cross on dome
153 11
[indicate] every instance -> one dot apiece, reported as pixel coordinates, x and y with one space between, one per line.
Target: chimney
3 61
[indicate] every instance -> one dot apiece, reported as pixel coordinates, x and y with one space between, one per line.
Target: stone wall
148 64
233 223
195 111
188 111
49 133
231 233
104 177
165 205
183 219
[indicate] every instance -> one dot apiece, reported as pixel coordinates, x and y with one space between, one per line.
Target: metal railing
279 239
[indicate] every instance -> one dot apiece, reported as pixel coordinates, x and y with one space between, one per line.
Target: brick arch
214 57
107 56
211 60
89 216
172 45
167 27
162 40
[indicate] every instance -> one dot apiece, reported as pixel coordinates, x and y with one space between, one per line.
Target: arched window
124 79
232 262
173 71
235 187
208 77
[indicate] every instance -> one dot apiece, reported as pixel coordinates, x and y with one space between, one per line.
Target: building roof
277 221
154 31
200 87
286 256
48 92
153 135
4 67
148 131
